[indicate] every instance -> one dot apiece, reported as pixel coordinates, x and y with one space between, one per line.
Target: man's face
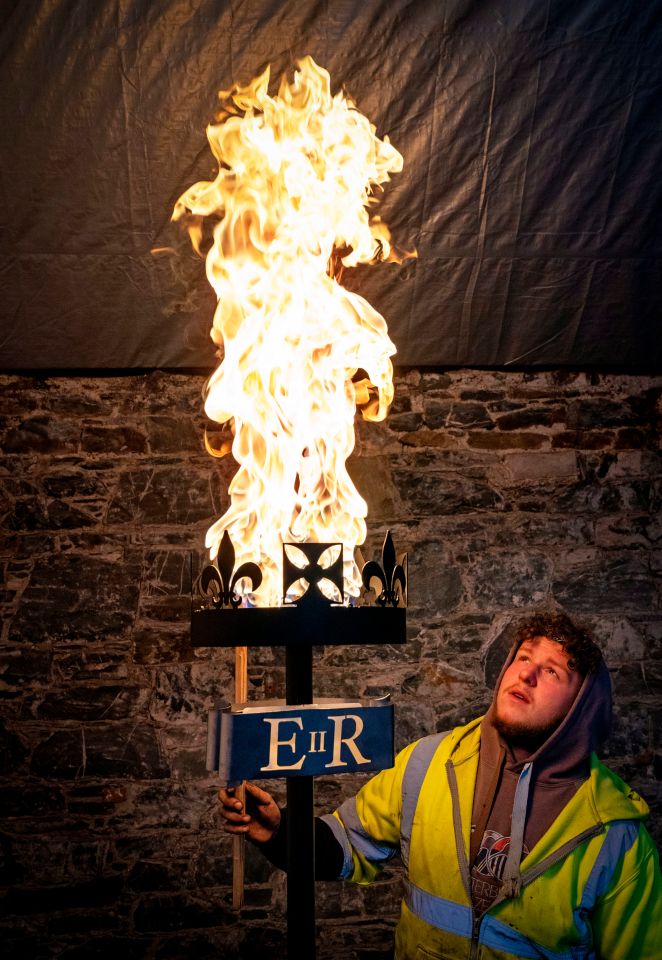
536 691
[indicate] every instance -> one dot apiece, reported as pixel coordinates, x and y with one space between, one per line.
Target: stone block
530 416
599 412
213 862
102 891
346 900
168 434
636 730
183 694
243 942
620 639
109 948
113 438
163 643
93 662
507 441
537 466
372 478
635 463
584 439
13 752
96 799
604 497
75 923
436 581
542 529
37 514
164 495
438 494
18 944
186 749
405 422
76 485
30 799
632 438
165 805
619 531
76 597
10 872
509 581
42 434
131 845
147 875
124 750
383 899
170 912
605 584
93 702
23 666
483 396
434 383
436 412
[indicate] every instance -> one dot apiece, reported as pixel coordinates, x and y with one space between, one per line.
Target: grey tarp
532 137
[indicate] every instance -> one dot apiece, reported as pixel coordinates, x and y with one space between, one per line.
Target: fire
289 206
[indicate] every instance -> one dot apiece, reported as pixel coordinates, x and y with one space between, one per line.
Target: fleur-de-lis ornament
392 575
217 581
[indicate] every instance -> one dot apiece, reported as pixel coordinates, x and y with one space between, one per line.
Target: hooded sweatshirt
557 769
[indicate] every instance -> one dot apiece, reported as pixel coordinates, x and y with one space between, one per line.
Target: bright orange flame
296 175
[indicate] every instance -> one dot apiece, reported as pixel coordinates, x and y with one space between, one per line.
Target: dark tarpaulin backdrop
532 138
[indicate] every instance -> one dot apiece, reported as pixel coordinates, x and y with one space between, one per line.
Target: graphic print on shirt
488 868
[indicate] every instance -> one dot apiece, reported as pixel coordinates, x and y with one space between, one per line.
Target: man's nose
528 674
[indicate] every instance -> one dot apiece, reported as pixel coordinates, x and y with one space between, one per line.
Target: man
516 840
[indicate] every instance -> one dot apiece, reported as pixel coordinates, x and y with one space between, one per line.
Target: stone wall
509 491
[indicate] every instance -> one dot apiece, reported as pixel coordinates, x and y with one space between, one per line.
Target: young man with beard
516 840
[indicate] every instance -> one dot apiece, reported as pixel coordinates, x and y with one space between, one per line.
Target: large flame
289 204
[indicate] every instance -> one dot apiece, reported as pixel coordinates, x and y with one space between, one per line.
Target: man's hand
259 821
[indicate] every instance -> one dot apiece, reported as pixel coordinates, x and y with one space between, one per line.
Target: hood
585 727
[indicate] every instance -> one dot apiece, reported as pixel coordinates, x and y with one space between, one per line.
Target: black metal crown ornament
391 575
218 581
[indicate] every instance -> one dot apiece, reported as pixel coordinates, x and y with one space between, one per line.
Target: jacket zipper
462 857
475 934
534 872
527 877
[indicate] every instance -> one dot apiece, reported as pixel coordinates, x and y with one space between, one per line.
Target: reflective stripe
512 878
454 918
362 842
412 781
500 936
438 912
462 862
621 835
620 838
340 835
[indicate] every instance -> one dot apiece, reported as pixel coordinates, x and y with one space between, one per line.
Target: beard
524 736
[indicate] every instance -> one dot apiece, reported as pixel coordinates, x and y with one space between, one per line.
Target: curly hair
583 652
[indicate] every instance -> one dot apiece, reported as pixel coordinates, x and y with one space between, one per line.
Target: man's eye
552 672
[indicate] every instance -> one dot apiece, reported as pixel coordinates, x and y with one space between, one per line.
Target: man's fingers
229 801
237 828
260 795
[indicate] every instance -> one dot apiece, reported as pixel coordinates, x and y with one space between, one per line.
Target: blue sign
256 743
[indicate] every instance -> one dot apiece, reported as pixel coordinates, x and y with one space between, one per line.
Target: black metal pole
300 822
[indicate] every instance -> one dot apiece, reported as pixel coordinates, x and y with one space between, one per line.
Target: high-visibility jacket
590 888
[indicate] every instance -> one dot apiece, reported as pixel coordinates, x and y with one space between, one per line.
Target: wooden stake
238 843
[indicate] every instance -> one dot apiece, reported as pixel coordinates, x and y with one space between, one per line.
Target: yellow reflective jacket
590 888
